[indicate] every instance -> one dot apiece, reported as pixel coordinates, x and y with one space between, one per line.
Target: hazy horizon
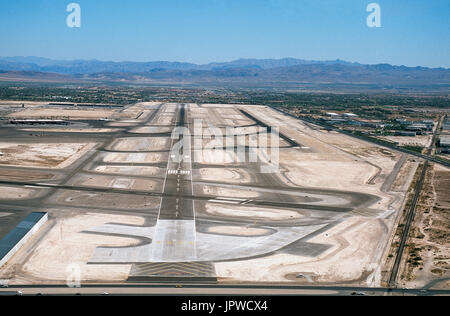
215 61
412 33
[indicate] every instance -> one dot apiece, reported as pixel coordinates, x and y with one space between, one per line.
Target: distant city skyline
412 32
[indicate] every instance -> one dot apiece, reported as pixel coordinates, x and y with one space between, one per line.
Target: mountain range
284 73
95 66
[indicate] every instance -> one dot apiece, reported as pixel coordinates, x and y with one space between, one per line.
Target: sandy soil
141 144
105 200
60 113
134 157
48 155
225 175
117 182
427 255
65 245
165 120
151 130
226 192
151 104
313 173
126 170
18 104
215 157
349 260
238 230
72 130
122 124
15 193
136 112
250 212
24 175
404 176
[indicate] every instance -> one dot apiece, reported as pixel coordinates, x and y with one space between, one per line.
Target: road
216 290
412 211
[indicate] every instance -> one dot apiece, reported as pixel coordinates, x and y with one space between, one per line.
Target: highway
216 290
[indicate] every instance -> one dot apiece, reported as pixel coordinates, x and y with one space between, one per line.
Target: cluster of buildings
410 128
444 139
349 119
400 127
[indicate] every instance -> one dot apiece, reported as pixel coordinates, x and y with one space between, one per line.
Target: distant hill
96 66
34 76
275 73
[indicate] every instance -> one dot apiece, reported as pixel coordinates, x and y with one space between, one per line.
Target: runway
180 233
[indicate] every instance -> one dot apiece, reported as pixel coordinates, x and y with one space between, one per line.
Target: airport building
12 242
444 141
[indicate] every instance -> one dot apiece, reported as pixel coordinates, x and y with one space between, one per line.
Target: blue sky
413 32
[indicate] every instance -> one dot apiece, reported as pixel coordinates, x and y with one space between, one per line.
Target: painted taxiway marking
48 184
179 172
224 201
230 198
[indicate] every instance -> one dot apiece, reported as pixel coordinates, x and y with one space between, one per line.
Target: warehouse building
12 242
444 141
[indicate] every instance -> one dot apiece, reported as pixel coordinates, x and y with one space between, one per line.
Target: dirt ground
225 175
110 201
403 179
117 183
133 157
127 170
226 192
60 113
250 212
348 261
141 144
73 130
21 175
15 193
427 254
419 140
65 245
151 129
43 155
18 104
